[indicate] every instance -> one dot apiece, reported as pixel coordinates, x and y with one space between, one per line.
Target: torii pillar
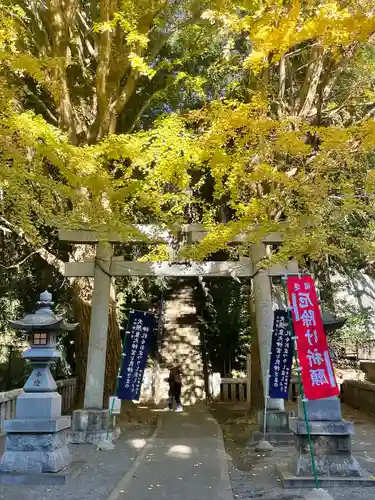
90 425
277 424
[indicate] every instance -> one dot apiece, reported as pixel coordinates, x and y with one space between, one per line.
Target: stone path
184 459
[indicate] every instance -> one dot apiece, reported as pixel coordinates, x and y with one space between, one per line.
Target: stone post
264 318
277 422
90 425
98 328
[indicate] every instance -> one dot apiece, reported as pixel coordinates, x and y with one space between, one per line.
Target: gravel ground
100 470
252 473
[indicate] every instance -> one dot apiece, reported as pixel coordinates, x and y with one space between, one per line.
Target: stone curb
227 492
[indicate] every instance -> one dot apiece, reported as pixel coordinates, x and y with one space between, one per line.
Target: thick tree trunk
113 356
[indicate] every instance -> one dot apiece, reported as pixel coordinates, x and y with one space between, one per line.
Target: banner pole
266 398
298 369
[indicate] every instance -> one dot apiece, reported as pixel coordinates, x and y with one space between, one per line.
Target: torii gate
105 266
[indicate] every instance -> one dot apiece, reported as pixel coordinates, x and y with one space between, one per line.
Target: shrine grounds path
184 458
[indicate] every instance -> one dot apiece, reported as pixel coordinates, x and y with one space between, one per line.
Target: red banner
318 377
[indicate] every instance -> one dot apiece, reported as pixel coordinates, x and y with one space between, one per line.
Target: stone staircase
181 344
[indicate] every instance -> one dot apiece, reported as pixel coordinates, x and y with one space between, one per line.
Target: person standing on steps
175 385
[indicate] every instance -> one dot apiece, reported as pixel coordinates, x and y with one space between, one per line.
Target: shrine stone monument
36 440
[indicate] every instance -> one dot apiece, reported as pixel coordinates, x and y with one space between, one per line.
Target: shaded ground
99 471
252 474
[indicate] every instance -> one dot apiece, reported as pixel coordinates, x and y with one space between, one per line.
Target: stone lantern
36 440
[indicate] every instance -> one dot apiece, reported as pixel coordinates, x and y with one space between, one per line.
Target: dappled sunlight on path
185 460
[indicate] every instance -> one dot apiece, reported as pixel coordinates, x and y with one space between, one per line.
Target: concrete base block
275 437
332 456
90 420
36 442
90 437
90 426
329 465
36 425
35 461
322 428
276 421
290 481
328 409
44 478
38 405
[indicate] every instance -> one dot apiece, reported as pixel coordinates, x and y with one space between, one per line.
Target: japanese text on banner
281 356
313 354
141 326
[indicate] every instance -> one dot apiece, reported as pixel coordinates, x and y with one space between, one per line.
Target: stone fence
236 390
233 390
66 388
359 395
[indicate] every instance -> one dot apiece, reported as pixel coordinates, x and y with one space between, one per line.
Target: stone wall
359 395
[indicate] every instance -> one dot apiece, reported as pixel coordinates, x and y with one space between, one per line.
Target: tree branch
62 17
104 60
312 78
19 264
282 78
51 259
39 101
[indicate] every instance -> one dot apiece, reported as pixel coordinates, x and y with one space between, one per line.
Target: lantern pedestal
36 440
331 439
32 451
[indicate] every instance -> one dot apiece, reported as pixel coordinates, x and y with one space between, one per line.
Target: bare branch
282 78
43 252
37 99
19 264
312 78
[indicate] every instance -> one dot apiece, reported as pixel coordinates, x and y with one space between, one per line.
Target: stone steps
181 343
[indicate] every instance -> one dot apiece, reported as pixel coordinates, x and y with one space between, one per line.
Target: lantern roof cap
43 319
331 322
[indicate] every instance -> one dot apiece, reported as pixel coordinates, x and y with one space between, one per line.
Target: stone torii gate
105 266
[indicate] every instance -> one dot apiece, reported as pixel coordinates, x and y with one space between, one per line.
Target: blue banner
281 356
137 340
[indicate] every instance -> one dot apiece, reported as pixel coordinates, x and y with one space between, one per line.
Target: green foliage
224 323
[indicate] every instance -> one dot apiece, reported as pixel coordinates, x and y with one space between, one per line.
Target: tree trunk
257 393
82 314
113 356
